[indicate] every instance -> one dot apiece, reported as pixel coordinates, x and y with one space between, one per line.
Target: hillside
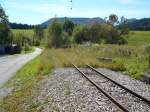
76 20
139 24
134 24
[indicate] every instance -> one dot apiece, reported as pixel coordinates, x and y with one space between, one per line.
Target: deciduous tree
5 33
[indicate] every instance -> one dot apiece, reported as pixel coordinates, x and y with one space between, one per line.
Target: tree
3 16
113 19
123 26
95 31
55 34
38 34
68 26
5 33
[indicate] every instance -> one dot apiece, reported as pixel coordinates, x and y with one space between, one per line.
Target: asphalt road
10 64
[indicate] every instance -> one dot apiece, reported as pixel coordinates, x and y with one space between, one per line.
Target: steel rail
125 88
103 91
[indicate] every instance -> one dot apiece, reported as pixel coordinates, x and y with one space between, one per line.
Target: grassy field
28 33
139 38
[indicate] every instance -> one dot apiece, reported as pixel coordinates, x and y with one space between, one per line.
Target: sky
38 11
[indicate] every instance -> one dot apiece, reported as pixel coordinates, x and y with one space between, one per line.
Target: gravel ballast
128 100
65 90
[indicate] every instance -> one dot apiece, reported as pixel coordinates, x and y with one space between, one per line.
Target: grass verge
29 50
23 83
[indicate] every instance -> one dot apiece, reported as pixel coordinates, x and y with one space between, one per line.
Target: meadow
139 38
28 33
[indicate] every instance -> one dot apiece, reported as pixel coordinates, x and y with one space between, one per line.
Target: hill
82 21
134 24
139 24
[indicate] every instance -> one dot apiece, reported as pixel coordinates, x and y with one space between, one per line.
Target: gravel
65 90
135 85
126 99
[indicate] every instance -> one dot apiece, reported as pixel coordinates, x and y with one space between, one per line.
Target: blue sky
38 11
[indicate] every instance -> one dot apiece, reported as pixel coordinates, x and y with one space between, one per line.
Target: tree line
21 26
112 31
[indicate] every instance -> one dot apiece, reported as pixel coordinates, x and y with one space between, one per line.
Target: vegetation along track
126 99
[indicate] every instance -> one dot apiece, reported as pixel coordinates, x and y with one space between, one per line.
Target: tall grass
129 59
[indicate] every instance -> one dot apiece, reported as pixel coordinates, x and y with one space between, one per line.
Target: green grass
30 50
28 33
139 38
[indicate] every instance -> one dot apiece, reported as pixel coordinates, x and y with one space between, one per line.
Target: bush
38 34
66 40
80 34
27 47
37 43
98 33
118 64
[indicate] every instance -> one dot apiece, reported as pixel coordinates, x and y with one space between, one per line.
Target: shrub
80 34
118 64
27 47
37 43
66 40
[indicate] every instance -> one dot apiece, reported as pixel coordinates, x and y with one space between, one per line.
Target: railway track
124 98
